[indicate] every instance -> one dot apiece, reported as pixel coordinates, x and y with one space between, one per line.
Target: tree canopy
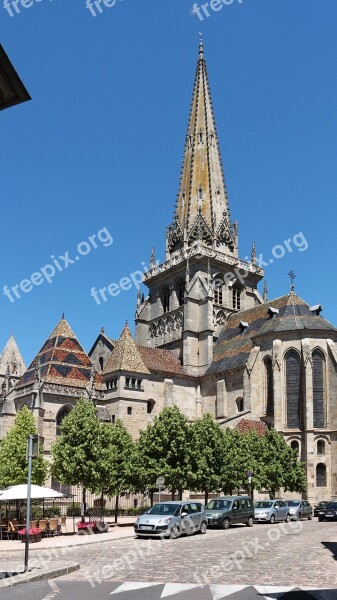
13 461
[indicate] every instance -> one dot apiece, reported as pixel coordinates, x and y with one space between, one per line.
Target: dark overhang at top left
12 90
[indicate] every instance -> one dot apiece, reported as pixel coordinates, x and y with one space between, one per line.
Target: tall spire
202 201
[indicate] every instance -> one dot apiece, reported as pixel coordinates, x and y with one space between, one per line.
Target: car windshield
164 509
332 505
322 504
219 504
263 504
293 502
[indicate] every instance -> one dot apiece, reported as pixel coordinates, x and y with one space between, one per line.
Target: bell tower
202 280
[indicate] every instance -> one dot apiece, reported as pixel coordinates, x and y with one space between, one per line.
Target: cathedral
205 338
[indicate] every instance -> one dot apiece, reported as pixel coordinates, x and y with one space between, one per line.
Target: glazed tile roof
62 361
126 356
234 345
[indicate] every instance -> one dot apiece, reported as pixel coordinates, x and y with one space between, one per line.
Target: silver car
299 509
270 511
172 519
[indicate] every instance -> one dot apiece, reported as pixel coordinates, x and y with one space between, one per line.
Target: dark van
229 510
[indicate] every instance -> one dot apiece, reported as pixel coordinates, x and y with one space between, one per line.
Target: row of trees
104 459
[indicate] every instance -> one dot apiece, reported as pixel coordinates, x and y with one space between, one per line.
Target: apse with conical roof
202 210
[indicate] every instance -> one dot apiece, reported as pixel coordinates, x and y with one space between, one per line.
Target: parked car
329 513
299 509
171 519
321 506
229 510
270 511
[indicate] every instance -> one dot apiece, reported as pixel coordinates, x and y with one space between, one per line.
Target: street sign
160 481
249 473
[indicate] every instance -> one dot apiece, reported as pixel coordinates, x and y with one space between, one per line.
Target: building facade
206 339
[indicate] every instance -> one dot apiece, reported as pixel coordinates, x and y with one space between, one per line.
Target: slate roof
234 345
62 361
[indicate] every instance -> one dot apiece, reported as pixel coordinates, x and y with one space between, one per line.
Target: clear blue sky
100 145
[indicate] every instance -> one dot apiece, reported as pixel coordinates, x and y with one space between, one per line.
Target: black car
329 513
321 506
230 510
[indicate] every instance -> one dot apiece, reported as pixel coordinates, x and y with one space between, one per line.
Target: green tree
13 462
207 457
282 469
76 453
242 453
115 461
164 448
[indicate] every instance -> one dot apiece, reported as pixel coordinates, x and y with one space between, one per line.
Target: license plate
327 515
146 527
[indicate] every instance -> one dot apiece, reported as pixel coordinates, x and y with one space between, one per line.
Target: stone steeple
202 210
11 357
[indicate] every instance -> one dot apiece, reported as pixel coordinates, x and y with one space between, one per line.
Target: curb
37 576
100 541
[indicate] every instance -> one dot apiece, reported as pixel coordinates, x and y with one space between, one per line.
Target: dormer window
243 325
317 309
273 312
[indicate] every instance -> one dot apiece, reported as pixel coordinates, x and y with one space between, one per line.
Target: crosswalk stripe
221 591
176 588
276 591
133 585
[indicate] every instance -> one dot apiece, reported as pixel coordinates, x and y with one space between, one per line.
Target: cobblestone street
299 553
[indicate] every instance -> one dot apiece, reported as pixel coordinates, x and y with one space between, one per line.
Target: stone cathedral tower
202 280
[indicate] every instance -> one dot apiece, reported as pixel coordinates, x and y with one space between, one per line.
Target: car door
236 512
195 514
283 510
186 523
243 511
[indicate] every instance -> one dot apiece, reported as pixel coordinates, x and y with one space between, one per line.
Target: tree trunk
102 500
116 509
84 495
206 497
180 494
173 494
151 497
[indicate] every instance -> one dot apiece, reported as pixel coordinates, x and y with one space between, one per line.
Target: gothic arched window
63 412
236 298
269 387
101 363
165 298
218 290
293 389
321 475
240 404
318 386
321 447
295 445
180 290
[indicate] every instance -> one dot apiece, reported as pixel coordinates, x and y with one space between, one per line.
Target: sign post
160 483
32 452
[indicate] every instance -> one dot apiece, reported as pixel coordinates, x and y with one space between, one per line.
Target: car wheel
287 519
174 532
321 519
203 528
225 524
250 522
299 517
309 517
272 519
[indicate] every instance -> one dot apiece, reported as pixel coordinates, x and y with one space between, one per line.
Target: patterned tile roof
234 344
62 361
246 425
126 356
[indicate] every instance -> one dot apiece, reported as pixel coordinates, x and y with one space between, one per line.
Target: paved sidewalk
123 530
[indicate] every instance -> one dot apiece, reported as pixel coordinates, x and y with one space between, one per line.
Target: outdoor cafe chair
53 526
43 525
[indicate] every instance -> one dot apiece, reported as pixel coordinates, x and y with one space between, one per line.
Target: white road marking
176 588
133 585
221 591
